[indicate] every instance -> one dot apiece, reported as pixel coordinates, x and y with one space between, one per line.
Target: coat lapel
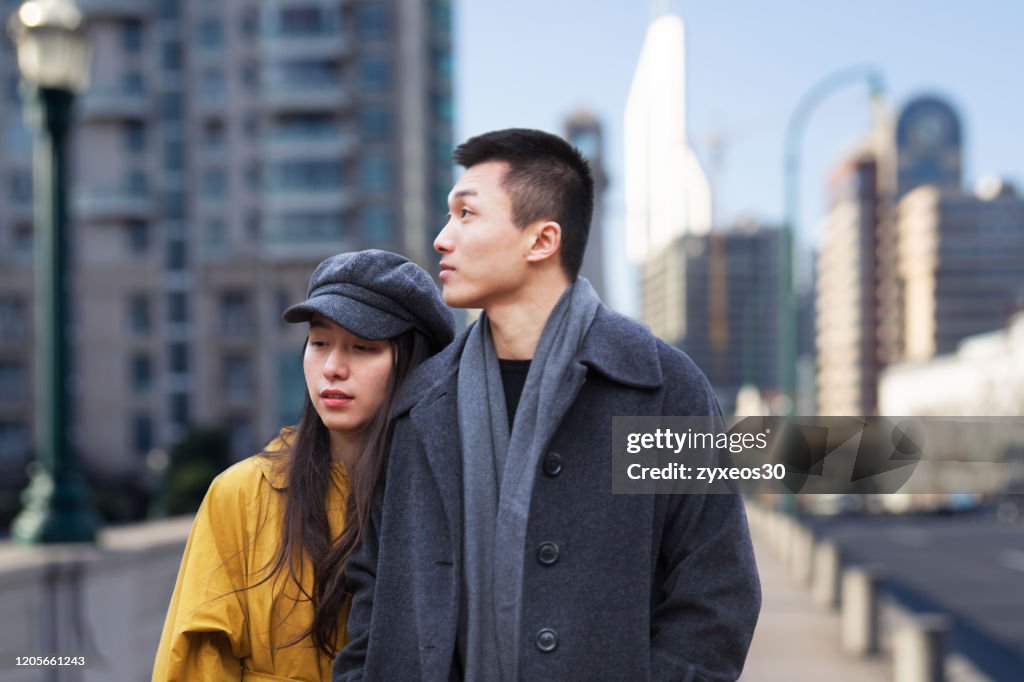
436 422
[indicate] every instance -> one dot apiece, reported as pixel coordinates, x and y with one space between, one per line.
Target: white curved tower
667 192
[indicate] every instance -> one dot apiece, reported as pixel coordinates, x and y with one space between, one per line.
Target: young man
497 550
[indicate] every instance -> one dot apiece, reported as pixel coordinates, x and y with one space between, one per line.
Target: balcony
327 42
329 144
95 9
108 105
313 199
115 203
311 95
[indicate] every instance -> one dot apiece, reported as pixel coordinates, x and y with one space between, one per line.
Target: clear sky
532 62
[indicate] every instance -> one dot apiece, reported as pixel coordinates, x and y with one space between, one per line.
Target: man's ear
547 241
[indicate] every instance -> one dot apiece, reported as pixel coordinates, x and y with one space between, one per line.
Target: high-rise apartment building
222 150
847 285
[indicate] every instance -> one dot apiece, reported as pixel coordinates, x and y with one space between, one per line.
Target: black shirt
513 378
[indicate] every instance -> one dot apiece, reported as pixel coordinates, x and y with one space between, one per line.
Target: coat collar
273 459
617 347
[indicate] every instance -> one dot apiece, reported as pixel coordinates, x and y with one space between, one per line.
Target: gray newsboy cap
376 295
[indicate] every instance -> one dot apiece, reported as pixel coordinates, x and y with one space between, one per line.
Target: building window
174 155
141 373
13 381
131 36
138 236
373 22
250 23
13 442
236 314
176 254
171 108
378 225
21 187
306 175
137 184
238 376
374 73
135 136
211 86
178 355
170 56
13 320
215 234
142 434
174 205
134 83
305 227
375 174
251 76
179 409
305 73
240 435
138 314
170 9
306 126
253 225
303 21
214 136
23 243
215 183
253 175
375 124
177 307
210 33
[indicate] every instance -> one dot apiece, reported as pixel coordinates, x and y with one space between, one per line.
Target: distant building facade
721 289
222 150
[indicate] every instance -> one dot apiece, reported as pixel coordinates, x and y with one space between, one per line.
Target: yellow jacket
213 632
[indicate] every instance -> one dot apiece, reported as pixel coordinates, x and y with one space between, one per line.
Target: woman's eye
317 344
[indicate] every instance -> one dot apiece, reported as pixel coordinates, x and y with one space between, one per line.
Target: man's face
483 253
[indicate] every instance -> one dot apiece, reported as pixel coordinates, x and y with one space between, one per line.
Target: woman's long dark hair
305 531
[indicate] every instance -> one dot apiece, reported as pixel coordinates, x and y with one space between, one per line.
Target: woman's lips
336 398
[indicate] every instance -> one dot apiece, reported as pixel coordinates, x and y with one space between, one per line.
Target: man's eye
465 212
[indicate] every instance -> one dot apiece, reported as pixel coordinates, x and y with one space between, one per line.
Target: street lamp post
53 57
794 135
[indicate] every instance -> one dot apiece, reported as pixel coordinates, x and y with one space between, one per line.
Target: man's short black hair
547 179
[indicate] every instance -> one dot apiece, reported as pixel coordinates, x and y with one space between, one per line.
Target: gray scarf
499 469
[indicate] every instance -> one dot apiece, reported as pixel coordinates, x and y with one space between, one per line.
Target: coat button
547 640
547 553
552 464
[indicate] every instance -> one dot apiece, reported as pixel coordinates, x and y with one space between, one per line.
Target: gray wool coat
615 587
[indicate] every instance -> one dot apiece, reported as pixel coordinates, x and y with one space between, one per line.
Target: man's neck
516 326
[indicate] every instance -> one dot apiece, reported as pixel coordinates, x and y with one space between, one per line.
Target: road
970 567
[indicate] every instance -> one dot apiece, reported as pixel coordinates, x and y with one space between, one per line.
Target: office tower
667 194
724 284
926 143
961 262
584 131
223 150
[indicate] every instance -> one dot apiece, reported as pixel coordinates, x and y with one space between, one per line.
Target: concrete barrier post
919 649
860 618
826 576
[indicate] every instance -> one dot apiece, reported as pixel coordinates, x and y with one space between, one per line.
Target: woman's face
347 377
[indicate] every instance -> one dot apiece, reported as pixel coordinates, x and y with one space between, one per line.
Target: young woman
260 594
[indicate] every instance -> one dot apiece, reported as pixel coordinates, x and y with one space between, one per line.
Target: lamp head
53 51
